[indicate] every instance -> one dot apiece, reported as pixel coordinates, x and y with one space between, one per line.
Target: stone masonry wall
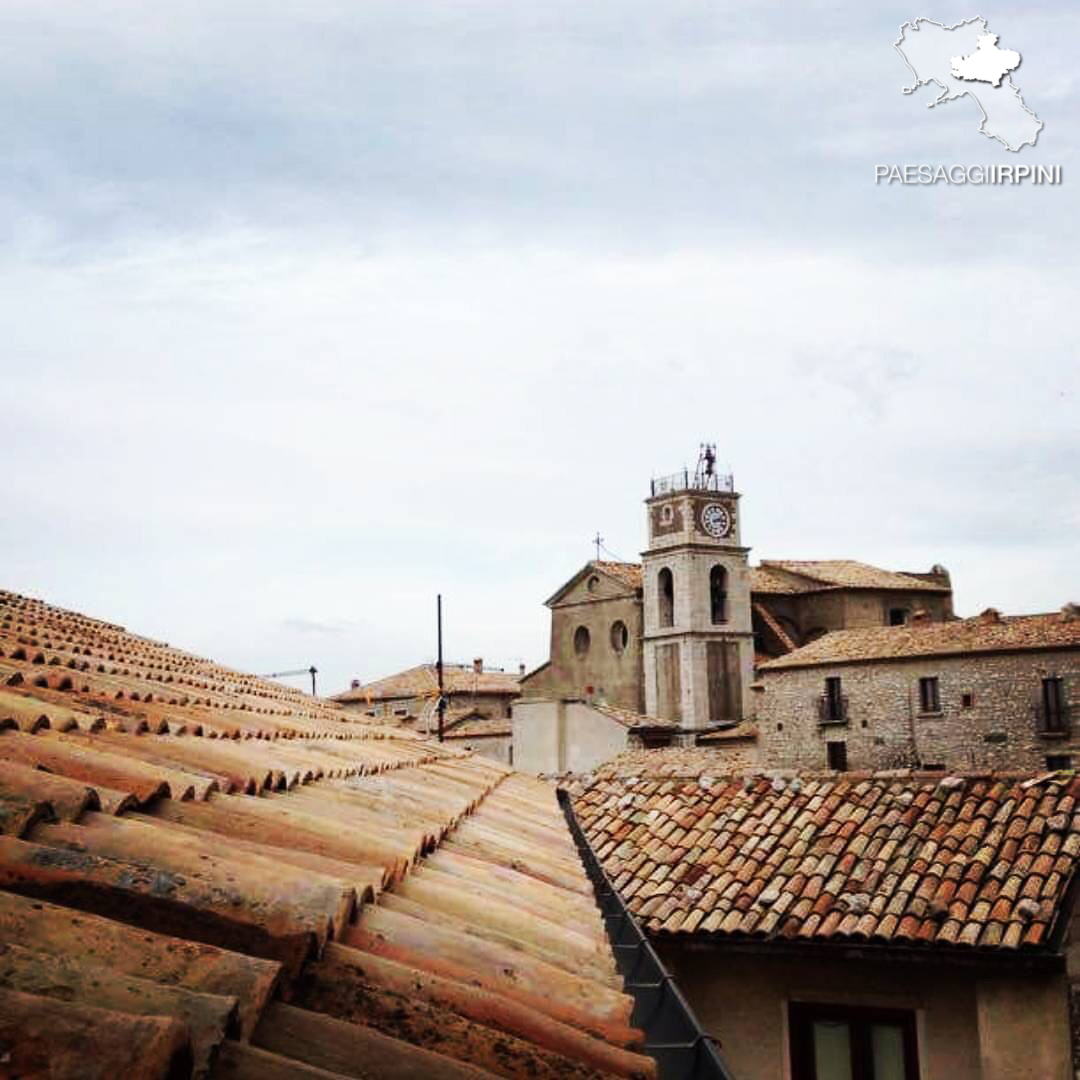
885 728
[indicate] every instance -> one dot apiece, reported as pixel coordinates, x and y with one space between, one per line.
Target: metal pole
314 671
439 667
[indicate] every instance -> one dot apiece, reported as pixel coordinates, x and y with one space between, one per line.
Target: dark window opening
718 594
837 755
841 1042
620 636
1059 761
833 705
581 640
967 700
666 592
929 694
1053 704
897 616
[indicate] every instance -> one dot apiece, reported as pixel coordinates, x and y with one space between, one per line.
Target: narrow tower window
718 593
666 592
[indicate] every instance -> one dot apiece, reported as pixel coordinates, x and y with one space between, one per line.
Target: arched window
718 594
666 591
620 636
581 640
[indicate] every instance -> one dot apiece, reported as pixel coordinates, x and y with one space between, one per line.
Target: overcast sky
311 311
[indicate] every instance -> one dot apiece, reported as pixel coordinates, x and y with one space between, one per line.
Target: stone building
411 696
797 601
990 692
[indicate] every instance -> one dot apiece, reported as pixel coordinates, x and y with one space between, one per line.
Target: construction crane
312 671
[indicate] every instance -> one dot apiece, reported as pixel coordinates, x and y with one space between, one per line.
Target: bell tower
698 640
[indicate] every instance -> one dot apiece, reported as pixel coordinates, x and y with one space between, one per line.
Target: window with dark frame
829 1042
1053 704
832 703
897 616
929 694
1059 761
837 756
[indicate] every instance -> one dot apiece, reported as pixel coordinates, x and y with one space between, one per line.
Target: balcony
692 481
832 711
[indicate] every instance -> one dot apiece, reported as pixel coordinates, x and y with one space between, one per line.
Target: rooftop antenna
439 668
312 671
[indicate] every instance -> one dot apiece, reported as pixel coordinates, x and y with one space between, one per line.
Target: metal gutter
673 1035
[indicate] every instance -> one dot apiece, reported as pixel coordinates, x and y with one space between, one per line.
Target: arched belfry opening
665 592
718 594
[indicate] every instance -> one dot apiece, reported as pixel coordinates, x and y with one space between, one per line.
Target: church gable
599 581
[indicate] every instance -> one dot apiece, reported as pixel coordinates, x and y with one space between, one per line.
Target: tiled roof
257 883
715 758
984 633
630 719
799 576
847 574
422 680
764 580
480 727
889 859
629 573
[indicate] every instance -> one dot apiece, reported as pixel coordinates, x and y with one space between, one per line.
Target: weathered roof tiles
912 860
275 902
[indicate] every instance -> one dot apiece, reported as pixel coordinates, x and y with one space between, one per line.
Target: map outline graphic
950 94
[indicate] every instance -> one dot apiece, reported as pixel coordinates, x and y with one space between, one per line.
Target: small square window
1059 761
967 699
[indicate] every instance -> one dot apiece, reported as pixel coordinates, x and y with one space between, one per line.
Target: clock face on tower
716 520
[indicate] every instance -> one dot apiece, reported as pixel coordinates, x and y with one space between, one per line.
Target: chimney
521 669
920 617
478 665
1070 612
355 684
990 615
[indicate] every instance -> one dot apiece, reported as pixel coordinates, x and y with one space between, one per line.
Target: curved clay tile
425 939
136 951
334 1045
208 1017
46 1036
67 798
92 766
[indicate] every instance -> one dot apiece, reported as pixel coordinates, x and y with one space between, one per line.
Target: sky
311 312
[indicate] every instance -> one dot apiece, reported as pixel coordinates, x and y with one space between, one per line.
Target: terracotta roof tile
422 909
980 634
422 681
889 858
839 573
